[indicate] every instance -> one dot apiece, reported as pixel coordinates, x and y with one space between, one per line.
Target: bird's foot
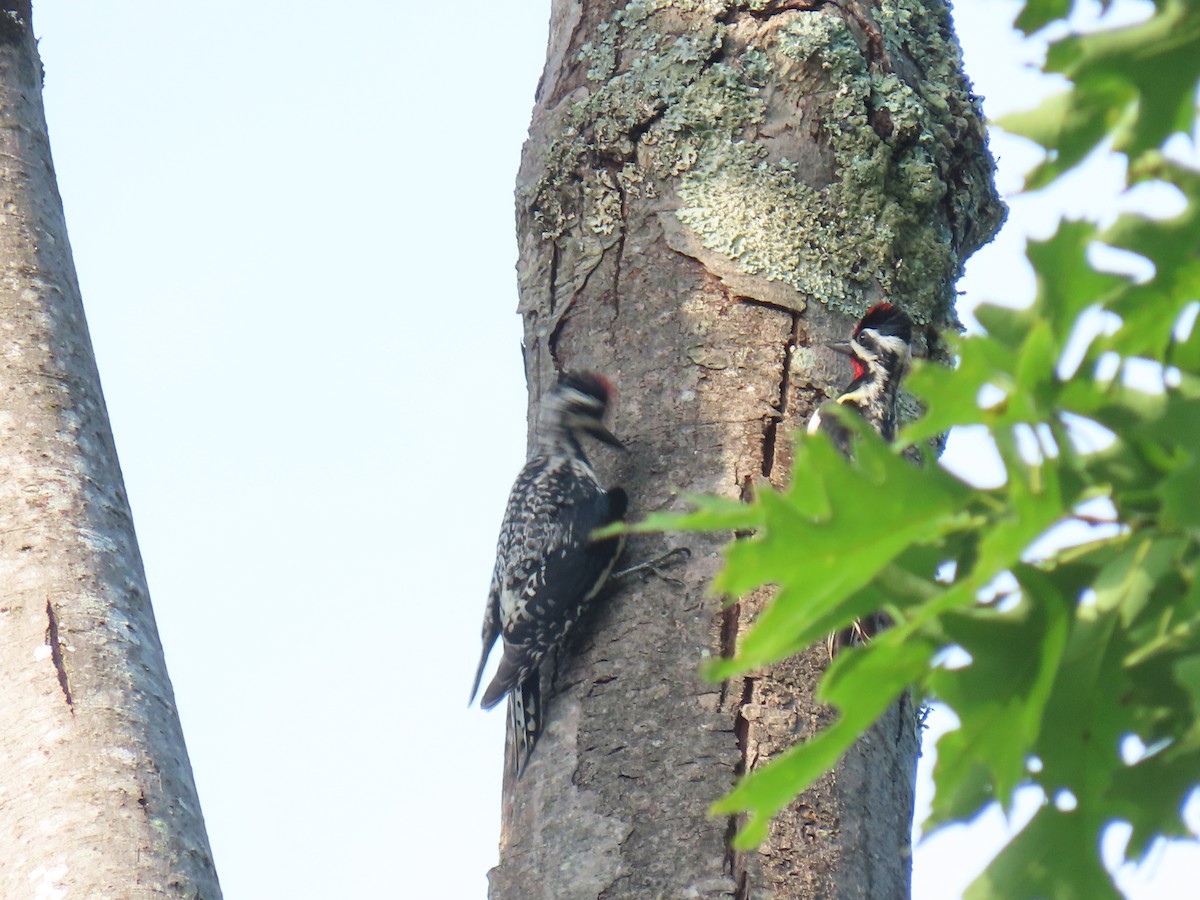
654 566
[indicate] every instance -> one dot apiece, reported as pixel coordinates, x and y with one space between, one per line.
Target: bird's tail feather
524 721
860 632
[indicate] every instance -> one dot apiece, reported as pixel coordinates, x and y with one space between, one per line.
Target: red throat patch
859 369
608 386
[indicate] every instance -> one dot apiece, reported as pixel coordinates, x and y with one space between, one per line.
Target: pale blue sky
293 227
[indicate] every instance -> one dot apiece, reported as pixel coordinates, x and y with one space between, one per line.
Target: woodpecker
548 567
880 352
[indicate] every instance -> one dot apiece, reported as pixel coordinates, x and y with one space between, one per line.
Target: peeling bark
712 191
97 798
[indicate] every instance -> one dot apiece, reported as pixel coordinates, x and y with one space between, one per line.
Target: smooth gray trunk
97 798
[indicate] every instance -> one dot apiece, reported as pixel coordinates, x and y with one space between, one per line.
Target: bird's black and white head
576 407
880 351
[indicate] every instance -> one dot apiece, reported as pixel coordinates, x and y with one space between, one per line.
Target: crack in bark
771 432
773 9
861 21
742 726
620 245
735 860
56 655
765 304
556 319
729 630
560 318
734 865
553 276
588 277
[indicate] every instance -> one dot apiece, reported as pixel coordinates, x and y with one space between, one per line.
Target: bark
97 798
711 191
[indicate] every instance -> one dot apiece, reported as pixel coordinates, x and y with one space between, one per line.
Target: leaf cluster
1058 614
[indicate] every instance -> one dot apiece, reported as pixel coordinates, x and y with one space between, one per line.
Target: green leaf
711 514
1083 721
1070 125
885 502
1150 795
1067 283
866 683
1169 243
1006 327
766 791
900 586
1035 501
1150 311
1035 377
1179 429
952 401
1000 696
1057 855
1136 84
1018 357
1036 14
1164 704
1158 60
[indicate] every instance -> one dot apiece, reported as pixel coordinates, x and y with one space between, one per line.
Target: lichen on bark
878 227
881 206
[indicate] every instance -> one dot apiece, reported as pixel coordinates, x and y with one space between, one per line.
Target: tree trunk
711 191
97 798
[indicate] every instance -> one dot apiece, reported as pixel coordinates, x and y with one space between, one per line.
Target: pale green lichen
602 202
713 112
666 106
759 215
878 222
608 123
632 182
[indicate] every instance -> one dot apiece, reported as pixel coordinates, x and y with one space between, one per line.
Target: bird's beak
598 431
842 347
